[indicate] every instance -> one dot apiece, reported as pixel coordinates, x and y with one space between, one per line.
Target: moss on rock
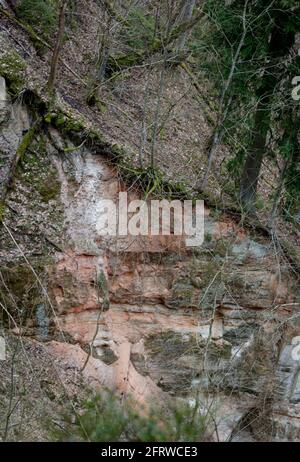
20 291
12 68
38 173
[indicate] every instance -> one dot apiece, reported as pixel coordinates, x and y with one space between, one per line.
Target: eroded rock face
14 122
150 317
174 320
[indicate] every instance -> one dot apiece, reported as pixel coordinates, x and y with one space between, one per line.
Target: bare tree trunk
157 111
186 15
143 135
57 46
290 174
251 171
254 158
278 193
101 63
223 108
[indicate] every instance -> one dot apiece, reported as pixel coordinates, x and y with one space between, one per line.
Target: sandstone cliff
147 317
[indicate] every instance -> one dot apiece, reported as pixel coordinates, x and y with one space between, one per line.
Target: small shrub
138 35
40 14
103 418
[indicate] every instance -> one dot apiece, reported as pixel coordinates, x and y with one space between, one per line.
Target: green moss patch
40 14
20 291
38 174
12 68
